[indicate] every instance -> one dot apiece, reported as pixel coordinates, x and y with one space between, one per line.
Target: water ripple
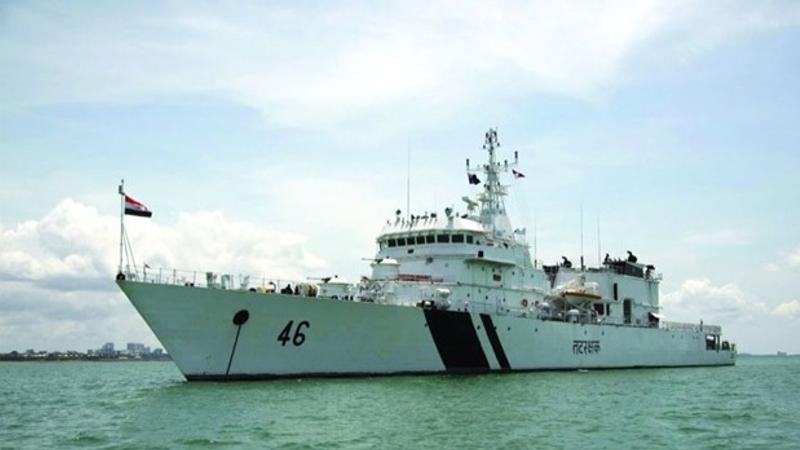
148 405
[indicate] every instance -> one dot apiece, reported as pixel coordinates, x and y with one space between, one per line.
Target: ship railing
698 327
485 308
207 279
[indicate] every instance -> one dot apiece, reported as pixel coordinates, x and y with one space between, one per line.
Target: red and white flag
517 174
135 208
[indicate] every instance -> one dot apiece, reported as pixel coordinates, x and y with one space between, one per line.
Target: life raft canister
524 302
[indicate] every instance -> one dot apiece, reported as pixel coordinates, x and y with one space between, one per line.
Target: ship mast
493 210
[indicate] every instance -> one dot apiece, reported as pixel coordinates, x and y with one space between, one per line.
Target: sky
272 139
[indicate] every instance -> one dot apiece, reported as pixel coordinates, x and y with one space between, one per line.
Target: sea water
755 404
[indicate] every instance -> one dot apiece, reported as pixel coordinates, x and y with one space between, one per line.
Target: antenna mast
582 265
493 211
408 179
599 251
535 233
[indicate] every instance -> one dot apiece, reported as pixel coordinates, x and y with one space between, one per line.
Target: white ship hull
286 336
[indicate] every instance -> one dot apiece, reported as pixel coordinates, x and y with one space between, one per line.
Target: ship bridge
428 246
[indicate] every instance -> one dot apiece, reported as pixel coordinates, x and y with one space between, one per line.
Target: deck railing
699 327
202 279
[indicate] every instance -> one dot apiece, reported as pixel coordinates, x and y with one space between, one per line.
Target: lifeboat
578 291
580 296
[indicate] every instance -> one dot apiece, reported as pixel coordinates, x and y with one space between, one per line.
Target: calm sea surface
148 405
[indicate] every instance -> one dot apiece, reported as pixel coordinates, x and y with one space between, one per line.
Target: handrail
699 327
206 279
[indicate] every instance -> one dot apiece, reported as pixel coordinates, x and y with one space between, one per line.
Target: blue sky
673 123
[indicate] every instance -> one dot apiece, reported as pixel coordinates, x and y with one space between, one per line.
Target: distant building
107 350
136 348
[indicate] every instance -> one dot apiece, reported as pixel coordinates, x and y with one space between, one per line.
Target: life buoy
524 302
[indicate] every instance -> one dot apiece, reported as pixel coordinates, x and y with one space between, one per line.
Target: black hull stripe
456 340
494 339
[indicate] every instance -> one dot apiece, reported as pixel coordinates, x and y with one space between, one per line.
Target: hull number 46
297 338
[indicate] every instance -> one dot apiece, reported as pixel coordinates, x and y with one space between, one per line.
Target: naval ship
448 293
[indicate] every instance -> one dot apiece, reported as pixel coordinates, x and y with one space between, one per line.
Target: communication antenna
599 248
408 179
582 265
535 246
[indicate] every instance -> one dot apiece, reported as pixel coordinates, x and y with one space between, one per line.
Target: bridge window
429 239
420 240
496 277
442 238
401 241
458 238
392 243
469 239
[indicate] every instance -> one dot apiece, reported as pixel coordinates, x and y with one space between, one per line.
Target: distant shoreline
65 357
82 360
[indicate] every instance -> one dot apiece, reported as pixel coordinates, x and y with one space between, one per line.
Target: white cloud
793 258
789 309
718 237
72 240
56 273
790 260
747 320
327 64
700 298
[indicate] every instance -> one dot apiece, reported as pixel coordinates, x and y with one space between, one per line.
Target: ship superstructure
448 292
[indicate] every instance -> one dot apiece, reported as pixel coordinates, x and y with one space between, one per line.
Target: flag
517 174
473 179
134 208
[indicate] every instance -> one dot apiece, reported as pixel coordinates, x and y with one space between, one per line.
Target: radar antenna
471 204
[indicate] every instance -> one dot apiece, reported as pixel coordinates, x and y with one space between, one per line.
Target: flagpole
121 221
